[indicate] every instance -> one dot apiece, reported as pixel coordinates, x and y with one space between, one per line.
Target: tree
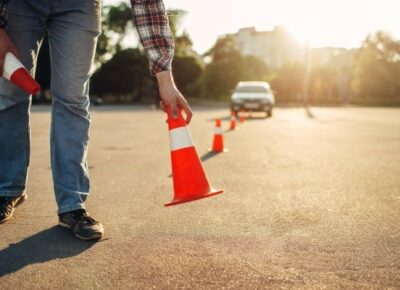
289 81
227 68
115 23
175 17
324 84
183 45
126 73
187 71
376 70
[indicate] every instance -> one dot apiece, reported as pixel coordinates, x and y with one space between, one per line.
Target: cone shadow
209 155
229 130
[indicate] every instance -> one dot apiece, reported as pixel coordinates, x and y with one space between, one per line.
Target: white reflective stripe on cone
218 131
180 138
11 64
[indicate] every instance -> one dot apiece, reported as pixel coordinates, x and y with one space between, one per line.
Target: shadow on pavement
208 155
50 244
309 114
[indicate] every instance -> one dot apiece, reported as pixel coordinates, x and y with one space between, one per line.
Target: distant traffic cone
189 178
15 72
218 143
233 122
241 117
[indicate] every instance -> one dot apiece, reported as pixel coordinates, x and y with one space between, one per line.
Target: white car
253 97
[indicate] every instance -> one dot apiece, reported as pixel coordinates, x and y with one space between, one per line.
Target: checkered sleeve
151 21
3 13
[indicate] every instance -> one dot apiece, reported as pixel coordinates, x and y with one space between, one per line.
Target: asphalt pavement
311 201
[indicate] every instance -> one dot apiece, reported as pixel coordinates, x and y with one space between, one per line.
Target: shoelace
5 203
84 217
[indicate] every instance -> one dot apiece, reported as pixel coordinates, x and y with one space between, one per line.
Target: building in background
275 47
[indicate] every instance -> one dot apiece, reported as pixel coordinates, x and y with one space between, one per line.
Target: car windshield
252 89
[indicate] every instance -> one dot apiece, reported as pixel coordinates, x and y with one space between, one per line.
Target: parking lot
311 201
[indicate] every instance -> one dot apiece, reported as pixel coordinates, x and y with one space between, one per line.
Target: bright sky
341 23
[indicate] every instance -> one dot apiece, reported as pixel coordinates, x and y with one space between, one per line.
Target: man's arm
151 21
152 24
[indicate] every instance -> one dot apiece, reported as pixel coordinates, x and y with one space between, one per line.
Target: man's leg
26 30
73 30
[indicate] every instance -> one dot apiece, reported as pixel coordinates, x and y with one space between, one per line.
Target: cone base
223 151
212 193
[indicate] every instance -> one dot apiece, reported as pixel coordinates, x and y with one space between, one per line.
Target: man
73 28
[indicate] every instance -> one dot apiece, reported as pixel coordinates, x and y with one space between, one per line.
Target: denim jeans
73 27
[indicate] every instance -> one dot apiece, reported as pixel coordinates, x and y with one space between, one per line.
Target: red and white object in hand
15 72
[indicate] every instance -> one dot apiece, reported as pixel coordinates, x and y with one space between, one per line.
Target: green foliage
125 74
115 20
187 72
324 85
227 68
377 69
175 17
183 44
118 17
289 82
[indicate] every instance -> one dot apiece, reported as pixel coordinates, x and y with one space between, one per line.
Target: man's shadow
52 243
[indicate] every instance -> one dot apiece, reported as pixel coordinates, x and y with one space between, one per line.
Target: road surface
312 201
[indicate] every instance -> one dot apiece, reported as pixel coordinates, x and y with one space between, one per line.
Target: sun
318 23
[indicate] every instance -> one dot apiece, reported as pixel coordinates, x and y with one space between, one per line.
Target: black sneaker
8 205
82 225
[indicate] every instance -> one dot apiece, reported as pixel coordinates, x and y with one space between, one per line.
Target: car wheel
269 113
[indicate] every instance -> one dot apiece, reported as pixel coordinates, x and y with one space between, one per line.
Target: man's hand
6 45
171 96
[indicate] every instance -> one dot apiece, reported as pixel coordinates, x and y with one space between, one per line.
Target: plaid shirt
152 24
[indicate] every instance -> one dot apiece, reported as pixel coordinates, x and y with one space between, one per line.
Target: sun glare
339 23
317 22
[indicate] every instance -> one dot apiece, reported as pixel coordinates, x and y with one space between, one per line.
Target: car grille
252 100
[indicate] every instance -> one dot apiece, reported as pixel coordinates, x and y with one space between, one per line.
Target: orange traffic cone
233 122
218 143
241 117
15 72
189 178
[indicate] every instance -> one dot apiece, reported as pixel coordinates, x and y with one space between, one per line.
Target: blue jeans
73 27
